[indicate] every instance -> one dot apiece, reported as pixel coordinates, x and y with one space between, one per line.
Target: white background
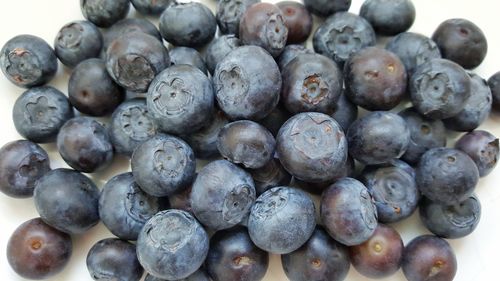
478 254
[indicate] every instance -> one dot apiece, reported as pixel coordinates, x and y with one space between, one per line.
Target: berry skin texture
324 8
440 89
291 52
67 200
185 55
40 112
188 24
320 258
124 208
22 163
375 79
271 175
413 49
446 175
381 255
151 7
85 145
342 35
134 59
345 112
275 119
127 26
104 13
222 195
378 138
263 25
92 91
312 147
425 134
114 259
37 251
229 13
389 18
181 99
348 212
429 258
282 220
28 61
199 275
77 41
247 83
455 221
311 83
233 256
298 20
163 165
247 143
483 148
461 41
172 245
494 83
218 49
477 107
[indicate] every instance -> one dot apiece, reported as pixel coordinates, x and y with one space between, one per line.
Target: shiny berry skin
37 251
298 20
482 147
381 255
429 258
389 18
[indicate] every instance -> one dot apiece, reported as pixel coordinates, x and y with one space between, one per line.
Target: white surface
477 254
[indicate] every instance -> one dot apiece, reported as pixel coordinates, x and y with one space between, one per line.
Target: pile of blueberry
268 114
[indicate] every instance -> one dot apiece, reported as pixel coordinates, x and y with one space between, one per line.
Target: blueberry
274 120
67 200
282 220
378 137
85 145
22 163
494 83
324 8
393 189
134 59
233 256
92 91
413 49
320 258
453 221
114 259
182 200
28 61
104 13
40 112
77 41
425 134
381 255
181 99
151 7
263 24
163 165
440 89
124 208
461 41
204 141
247 83
247 143
199 275
219 49
229 13
189 24
311 82
172 245
185 55
222 195
271 175
446 175
482 147
429 258
345 112
342 35
477 107
375 79
312 147
127 26
298 20
290 52
348 212
389 18
131 124
38 251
